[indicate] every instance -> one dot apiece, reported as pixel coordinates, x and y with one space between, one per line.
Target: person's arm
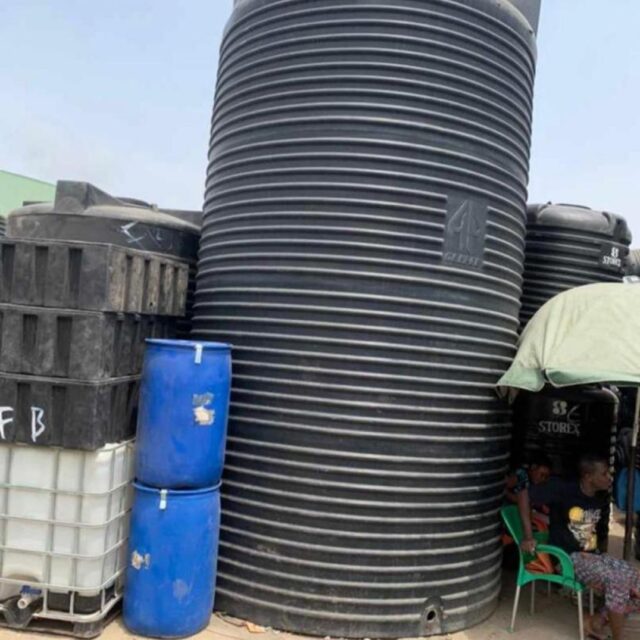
528 543
516 482
546 493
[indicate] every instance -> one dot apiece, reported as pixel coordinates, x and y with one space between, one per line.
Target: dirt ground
555 618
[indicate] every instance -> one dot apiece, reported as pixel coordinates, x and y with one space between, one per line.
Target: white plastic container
64 517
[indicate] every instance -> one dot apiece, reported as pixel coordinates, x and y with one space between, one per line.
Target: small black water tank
565 424
568 246
84 213
363 250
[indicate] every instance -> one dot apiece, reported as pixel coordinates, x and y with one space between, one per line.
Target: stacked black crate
73 320
74 317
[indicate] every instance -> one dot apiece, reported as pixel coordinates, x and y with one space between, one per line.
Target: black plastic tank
84 213
568 246
362 250
565 424
87 214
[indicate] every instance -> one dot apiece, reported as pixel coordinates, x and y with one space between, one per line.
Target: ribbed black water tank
362 249
564 424
568 246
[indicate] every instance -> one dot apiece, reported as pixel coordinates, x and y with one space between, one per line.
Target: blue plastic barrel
622 489
171 569
182 420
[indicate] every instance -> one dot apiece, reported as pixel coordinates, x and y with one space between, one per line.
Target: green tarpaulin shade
586 335
582 336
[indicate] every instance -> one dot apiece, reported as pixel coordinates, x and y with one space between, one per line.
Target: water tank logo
464 233
565 422
610 257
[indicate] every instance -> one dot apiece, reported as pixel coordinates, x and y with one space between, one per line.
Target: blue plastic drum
182 421
171 570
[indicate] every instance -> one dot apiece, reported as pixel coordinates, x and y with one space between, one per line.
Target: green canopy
584 335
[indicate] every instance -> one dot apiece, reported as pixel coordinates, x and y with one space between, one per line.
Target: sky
119 93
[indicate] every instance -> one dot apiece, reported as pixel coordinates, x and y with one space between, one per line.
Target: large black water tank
362 249
568 246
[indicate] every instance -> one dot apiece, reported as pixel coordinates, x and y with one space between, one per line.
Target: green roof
16 189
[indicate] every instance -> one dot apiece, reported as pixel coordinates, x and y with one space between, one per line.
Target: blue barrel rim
176 492
189 344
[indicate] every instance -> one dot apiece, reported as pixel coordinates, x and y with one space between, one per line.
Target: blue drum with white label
182 421
171 568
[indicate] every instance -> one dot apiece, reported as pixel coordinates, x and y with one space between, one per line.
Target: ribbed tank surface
567 246
362 250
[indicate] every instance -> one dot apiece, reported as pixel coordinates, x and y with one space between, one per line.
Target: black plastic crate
69 413
86 345
91 276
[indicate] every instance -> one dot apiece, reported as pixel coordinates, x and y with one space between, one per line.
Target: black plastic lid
84 213
579 218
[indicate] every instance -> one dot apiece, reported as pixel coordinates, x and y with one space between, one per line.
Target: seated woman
537 472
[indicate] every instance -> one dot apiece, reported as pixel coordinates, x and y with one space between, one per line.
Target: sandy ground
555 619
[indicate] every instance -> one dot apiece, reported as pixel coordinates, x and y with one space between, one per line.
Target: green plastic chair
566 577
